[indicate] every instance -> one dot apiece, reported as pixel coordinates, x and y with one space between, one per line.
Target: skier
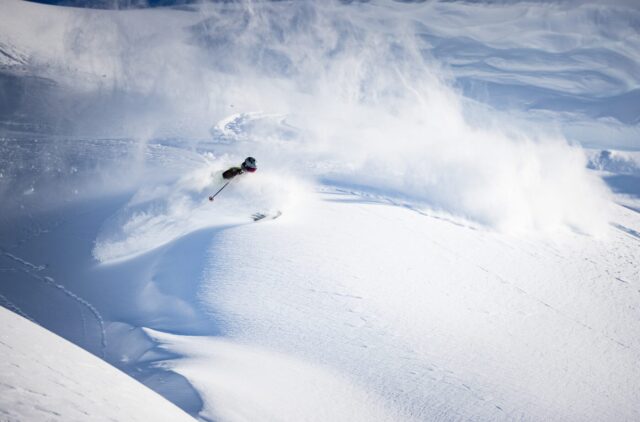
248 165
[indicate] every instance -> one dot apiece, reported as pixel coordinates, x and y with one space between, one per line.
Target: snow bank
240 382
44 377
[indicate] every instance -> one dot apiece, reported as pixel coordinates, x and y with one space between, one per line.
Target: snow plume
369 108
359 97
158 215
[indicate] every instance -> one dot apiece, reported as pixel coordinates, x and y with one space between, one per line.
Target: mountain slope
443 251
43 377
438 319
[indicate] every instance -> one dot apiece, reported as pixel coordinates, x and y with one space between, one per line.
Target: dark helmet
249 164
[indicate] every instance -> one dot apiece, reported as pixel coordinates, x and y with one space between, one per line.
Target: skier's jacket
232 172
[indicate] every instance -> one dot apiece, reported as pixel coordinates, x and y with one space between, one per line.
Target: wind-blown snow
361 97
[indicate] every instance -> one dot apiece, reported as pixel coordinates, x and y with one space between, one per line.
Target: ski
263 217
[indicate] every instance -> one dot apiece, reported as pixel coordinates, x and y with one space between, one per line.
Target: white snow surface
438 320
438 255
45 378
245 382
432 317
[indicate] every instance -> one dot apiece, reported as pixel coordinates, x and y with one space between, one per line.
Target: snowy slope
366 297
446 248
429 315
44 377
438 320
367 306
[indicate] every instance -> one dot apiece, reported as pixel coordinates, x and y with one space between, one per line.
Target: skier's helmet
249 165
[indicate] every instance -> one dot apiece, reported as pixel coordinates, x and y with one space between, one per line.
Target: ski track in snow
33 270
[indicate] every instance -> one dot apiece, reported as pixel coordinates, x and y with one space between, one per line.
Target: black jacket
232 172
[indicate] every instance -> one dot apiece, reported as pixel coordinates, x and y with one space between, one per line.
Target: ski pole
220 190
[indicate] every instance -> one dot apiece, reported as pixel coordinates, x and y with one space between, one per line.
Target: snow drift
244 382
